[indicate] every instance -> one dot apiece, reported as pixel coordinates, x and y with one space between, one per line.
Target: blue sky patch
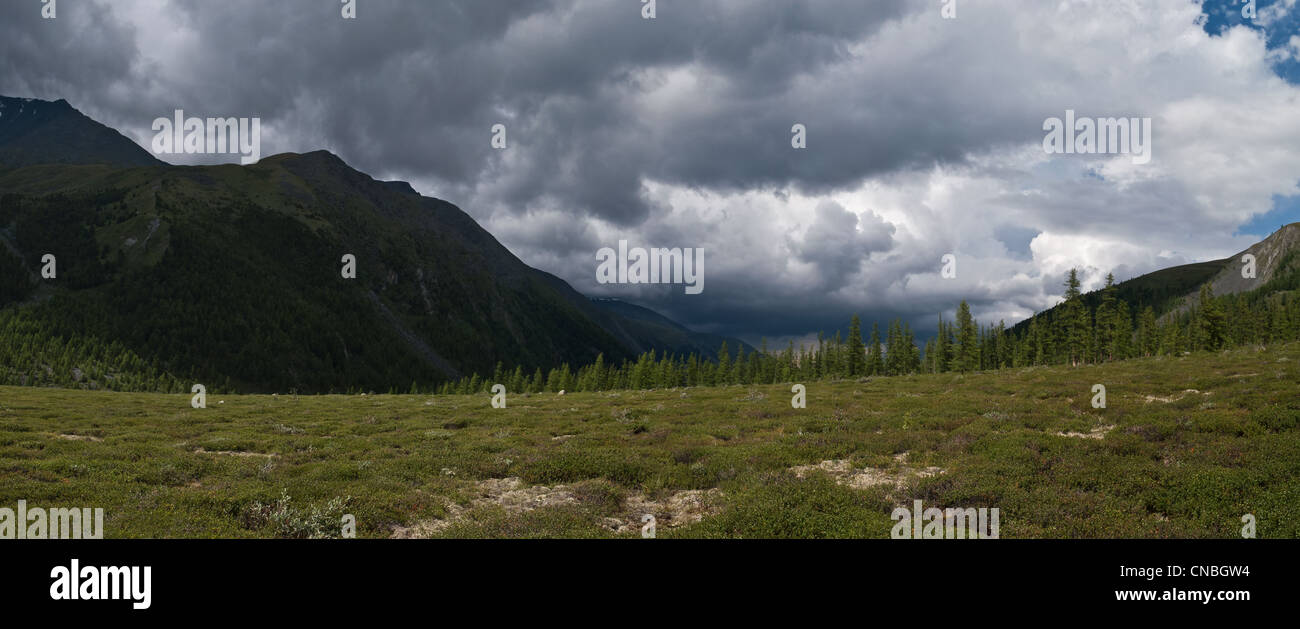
1286 209
1222 15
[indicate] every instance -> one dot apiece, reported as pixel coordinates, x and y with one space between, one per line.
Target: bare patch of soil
72 437
1173 398
1096 433
239 453
677 509
895 478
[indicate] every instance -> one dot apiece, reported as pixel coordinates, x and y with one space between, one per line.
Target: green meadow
1185 447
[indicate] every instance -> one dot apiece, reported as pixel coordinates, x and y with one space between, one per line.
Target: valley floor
1185 447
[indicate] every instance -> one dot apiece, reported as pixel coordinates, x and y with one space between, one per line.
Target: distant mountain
651 329
1275 256
36 131
1172 291
230 275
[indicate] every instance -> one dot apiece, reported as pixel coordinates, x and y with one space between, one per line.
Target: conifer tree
724 366
1148 336
857 352
876 366
1211 320
1074 320
912 360
598 374
967 338
1105 322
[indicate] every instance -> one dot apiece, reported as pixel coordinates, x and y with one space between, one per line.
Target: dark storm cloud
413 88
86 50
837 244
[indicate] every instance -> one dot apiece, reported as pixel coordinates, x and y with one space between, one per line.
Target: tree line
1073 333
1077 331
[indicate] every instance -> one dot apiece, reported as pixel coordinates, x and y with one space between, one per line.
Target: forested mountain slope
232 276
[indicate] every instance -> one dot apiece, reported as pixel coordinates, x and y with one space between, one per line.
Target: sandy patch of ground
1172 398
678 509
240 453
71 437
1096 433
896 478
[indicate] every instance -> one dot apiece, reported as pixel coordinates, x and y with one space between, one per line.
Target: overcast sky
924 134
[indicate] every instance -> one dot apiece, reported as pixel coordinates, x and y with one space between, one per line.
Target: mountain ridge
1172 292
231 273
34 131
1270 260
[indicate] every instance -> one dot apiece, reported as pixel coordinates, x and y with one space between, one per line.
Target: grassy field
1185 448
